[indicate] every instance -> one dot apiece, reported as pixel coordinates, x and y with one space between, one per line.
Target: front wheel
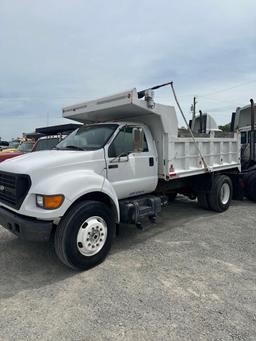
84 236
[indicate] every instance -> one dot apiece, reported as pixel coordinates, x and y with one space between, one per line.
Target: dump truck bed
219 153
178 153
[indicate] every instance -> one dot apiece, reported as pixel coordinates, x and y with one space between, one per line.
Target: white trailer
121 166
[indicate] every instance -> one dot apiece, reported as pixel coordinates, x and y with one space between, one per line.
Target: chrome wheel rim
92 236
225 193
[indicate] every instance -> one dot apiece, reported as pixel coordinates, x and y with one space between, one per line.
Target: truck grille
13 188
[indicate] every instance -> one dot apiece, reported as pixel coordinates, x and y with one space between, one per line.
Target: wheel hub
225 193
92 236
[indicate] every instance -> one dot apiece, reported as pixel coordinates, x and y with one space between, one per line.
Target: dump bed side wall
218 153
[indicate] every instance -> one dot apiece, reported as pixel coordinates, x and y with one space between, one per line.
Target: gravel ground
191 276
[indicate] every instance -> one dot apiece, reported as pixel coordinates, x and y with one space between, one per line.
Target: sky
62 52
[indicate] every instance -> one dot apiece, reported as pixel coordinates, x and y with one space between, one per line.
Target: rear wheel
83 237
220 195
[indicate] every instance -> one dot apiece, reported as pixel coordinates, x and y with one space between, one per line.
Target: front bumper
24 227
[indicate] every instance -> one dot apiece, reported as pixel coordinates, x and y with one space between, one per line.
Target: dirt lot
190 277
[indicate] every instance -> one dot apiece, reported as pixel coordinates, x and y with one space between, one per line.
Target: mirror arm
118 157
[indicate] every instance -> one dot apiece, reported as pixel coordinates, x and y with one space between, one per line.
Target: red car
44 143
24 147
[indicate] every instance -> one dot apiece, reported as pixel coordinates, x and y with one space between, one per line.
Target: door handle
151 162
112 166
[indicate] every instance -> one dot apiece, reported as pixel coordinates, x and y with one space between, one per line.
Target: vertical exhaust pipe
252 133
201 121
232 124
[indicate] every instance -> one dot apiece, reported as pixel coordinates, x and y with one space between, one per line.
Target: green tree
225 127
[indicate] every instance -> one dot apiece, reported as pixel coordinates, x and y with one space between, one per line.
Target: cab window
249 136
243 137
123 143
25 147
46 144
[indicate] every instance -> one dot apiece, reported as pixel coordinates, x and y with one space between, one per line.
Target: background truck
243 120
44 138
3 144
126 161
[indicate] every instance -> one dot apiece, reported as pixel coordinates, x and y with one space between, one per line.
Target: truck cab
104 154
244 121
101 161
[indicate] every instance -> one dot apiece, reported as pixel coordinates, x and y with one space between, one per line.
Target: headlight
49 202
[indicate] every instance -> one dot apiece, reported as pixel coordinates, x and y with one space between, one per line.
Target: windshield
25 147
46 144
88 137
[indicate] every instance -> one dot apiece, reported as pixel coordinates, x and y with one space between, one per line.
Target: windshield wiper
72 147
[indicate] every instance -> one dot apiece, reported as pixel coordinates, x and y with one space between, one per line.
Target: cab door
131 172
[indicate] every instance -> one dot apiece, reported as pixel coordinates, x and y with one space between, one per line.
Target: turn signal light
49 202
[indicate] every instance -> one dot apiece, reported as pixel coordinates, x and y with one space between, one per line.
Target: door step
134 210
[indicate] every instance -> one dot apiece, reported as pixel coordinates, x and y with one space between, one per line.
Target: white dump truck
121 166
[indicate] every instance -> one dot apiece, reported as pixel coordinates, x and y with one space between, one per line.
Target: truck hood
49 160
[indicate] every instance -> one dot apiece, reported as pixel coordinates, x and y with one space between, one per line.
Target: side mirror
138 139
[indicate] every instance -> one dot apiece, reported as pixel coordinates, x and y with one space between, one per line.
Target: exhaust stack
252 132
232 124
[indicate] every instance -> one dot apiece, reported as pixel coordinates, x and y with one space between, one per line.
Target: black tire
202 199
66 234
215 200
250 191
171 196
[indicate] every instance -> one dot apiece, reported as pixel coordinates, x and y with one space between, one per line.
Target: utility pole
194 107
